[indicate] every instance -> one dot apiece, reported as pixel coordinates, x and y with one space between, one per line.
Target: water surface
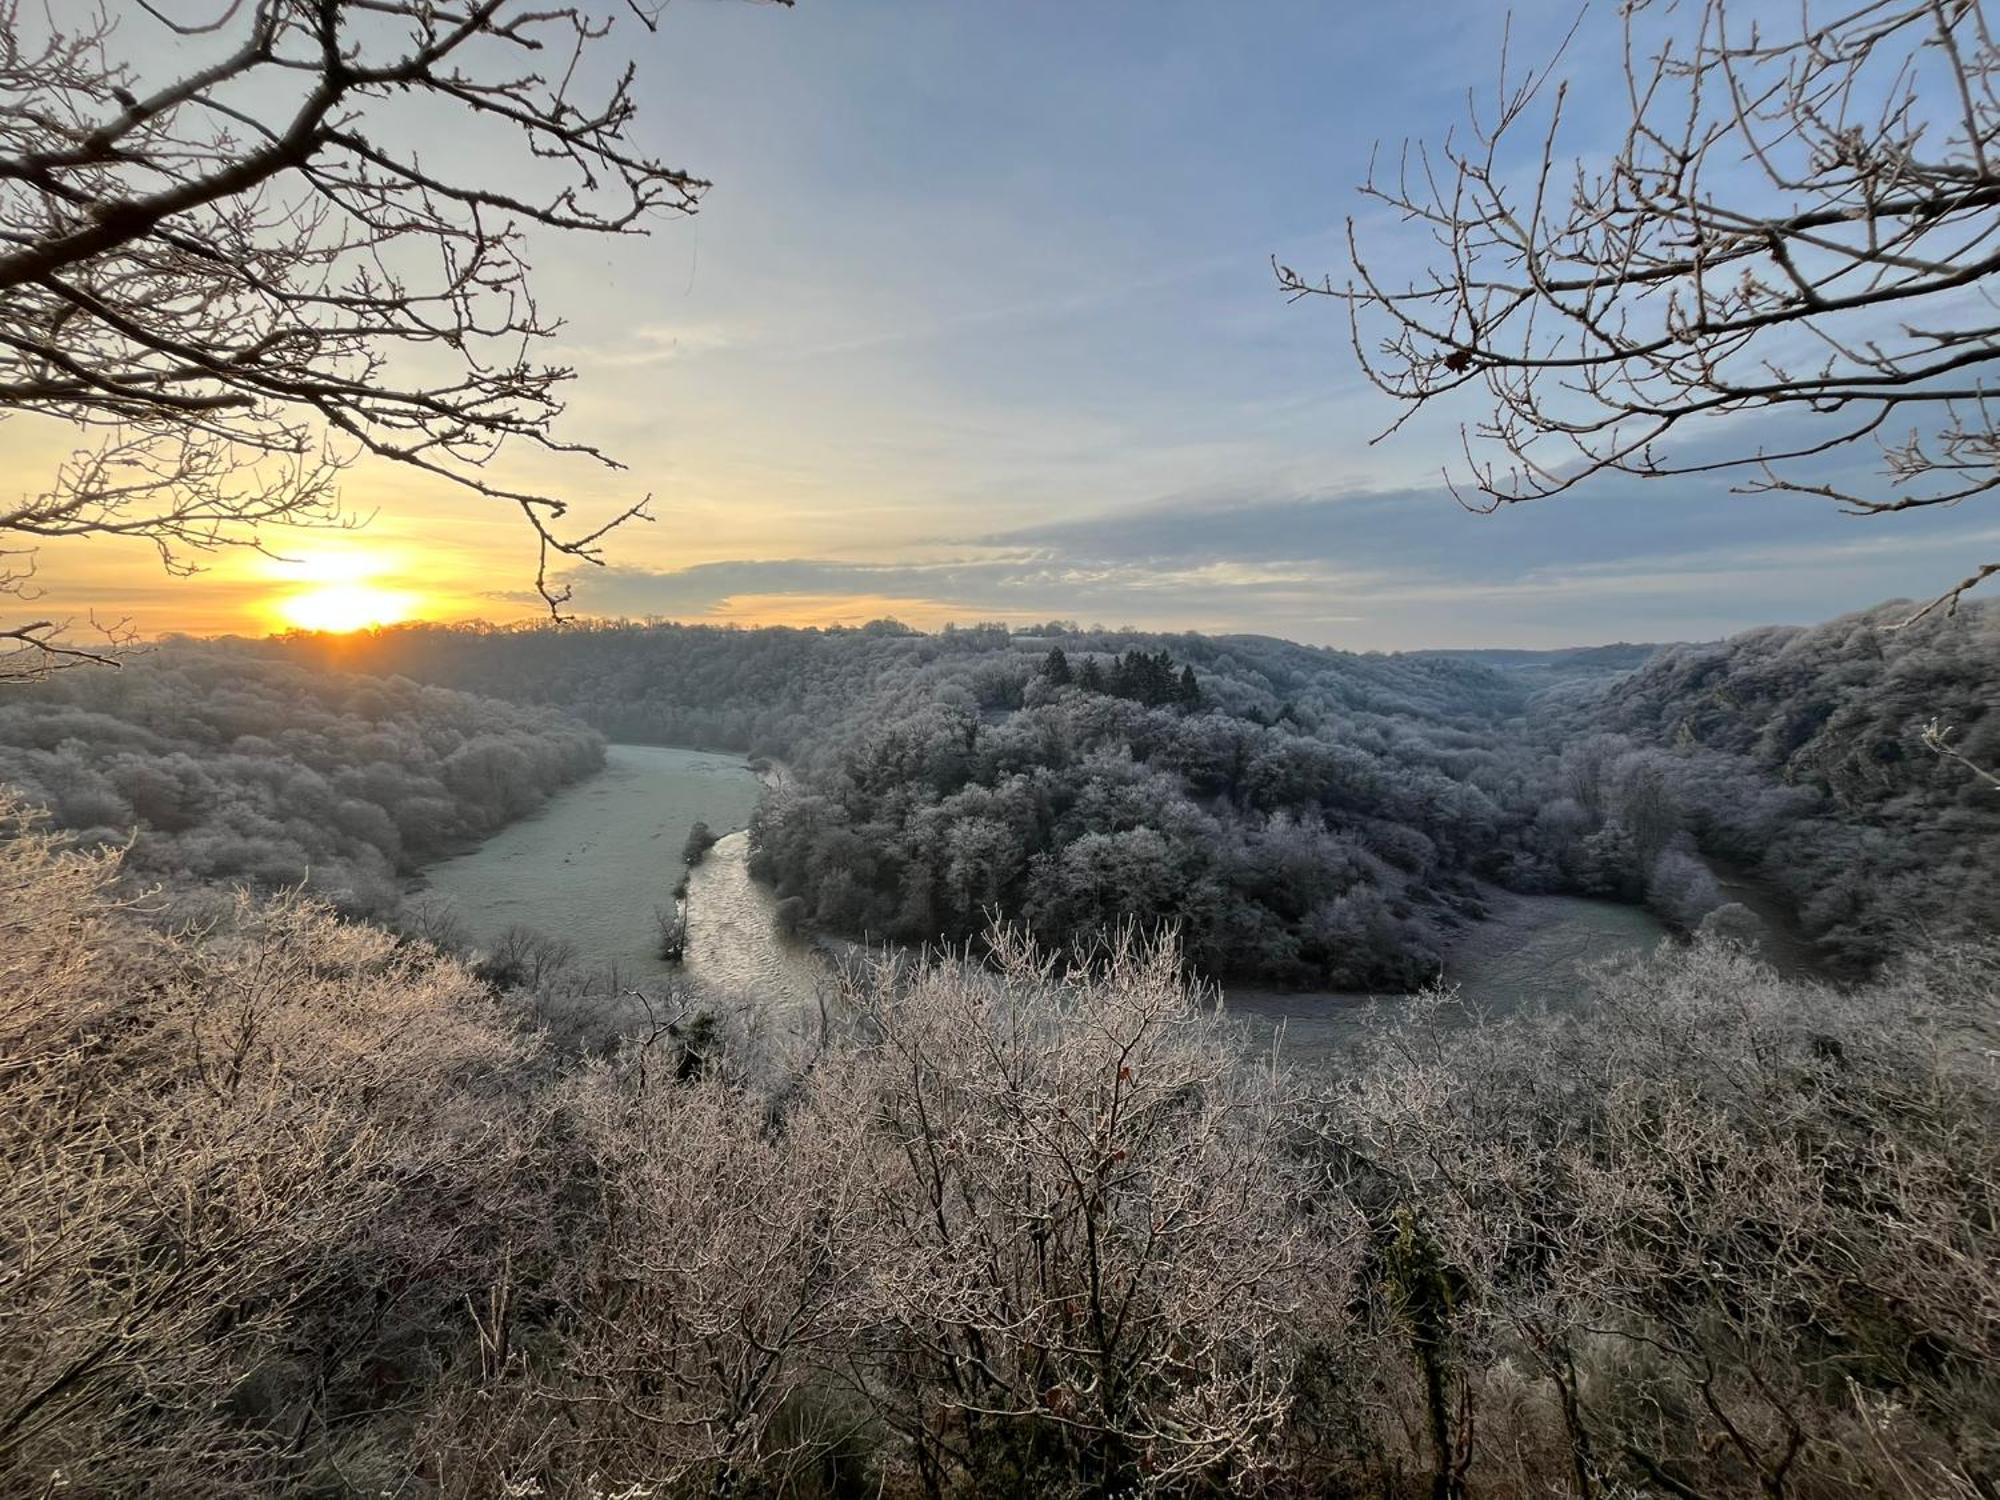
1531 951
595 864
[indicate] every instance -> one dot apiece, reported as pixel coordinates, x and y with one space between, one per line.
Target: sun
341 607
334 589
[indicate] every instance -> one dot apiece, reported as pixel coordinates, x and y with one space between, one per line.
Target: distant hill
219 768
1304 817
776 690
1564 661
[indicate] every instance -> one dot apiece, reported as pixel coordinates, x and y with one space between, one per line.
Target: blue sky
978 321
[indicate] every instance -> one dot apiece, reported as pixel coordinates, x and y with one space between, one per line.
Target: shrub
253 1174
296 1208
1713 1234
699 842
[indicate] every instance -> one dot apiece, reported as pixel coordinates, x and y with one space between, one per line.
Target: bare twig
225 274
1797 221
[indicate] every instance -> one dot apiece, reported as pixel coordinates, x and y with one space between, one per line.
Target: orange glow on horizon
336 591
342 607
803 611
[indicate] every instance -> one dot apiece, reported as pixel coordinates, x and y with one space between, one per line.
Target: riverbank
594 866
1530 950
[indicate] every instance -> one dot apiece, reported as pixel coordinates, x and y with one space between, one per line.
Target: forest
1302 817
1800 753
219 766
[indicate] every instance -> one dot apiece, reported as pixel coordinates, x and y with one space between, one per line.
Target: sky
978 322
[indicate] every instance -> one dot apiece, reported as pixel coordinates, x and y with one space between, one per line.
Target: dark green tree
1056 667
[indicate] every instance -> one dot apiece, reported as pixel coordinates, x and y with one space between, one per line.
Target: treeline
1800 756
773 691
998 1230
222 765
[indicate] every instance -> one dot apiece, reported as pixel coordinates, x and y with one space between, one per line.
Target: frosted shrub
292 1208
233 1159
1088 1271
1736 1235
715 1278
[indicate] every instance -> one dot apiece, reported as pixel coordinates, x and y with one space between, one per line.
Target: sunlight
349 564
336 589
341 607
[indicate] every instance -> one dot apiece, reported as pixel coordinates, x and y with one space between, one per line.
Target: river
1530 950
595 863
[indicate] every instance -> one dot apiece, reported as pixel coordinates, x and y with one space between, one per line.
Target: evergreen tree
1091 677
1190 693
1145 677
1056 667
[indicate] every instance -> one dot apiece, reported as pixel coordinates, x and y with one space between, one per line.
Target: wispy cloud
662 343
1364 568
977 322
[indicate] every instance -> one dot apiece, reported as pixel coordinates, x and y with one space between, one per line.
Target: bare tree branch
249 272
1937 739
1805 218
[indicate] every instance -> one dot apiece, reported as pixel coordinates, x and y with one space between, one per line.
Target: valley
593 864
915 840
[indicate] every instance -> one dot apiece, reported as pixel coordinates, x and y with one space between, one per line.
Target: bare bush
249 1171
670 927
720 1274
1087 1274
524 957
1720 1235
295 1208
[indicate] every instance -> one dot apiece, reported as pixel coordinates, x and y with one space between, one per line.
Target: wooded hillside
222 765
1801 753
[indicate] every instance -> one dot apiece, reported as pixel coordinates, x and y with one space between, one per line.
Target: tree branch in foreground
1803 217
